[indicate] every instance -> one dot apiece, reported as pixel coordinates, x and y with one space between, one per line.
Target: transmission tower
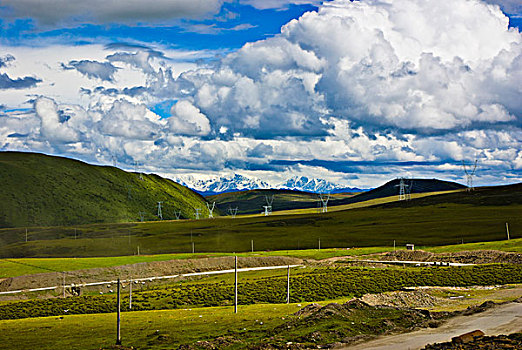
324 202
160 215
268 206
177 213
469 174
404 190
211 210
233 212
198 210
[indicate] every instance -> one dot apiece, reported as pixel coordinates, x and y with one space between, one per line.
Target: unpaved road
503 319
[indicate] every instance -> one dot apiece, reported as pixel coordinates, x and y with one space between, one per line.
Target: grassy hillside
41 190
480 196
391 188
440 223
252 202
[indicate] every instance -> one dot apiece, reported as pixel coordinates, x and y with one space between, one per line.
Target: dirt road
503 319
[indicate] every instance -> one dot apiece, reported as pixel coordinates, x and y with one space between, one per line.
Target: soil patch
413 299
466 257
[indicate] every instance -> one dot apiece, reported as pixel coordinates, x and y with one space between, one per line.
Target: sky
356 93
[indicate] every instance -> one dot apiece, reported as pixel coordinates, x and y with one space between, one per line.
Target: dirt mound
140 270
513 341
467 257
308 310
413 299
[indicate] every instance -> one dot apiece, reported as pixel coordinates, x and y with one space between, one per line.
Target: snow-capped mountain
303 183
221 184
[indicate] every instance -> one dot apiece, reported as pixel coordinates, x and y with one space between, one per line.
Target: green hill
480 196
252 201
41 190
436 220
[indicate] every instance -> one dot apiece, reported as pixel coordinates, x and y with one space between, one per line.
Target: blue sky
352 92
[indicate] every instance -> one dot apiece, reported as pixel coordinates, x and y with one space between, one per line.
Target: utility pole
235 284
288 286
319 243
193 249
393 245
118 335
130 294
138 250
252 244
507 230
26 235
63 284
74 233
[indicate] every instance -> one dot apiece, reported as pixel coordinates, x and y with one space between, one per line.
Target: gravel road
503 319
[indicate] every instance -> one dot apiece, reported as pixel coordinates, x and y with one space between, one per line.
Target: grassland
27 266
151 329
306 285
362 204
428 225
40 190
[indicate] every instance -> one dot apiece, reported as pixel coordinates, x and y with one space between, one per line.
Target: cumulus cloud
55 126
139 59
130 121
376 63
188 120
100 11
355 87
94 69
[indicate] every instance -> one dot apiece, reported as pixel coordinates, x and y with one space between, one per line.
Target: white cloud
365 81
421 66
55 126
188 120
93 69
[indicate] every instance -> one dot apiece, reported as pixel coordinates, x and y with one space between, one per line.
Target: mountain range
237 182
